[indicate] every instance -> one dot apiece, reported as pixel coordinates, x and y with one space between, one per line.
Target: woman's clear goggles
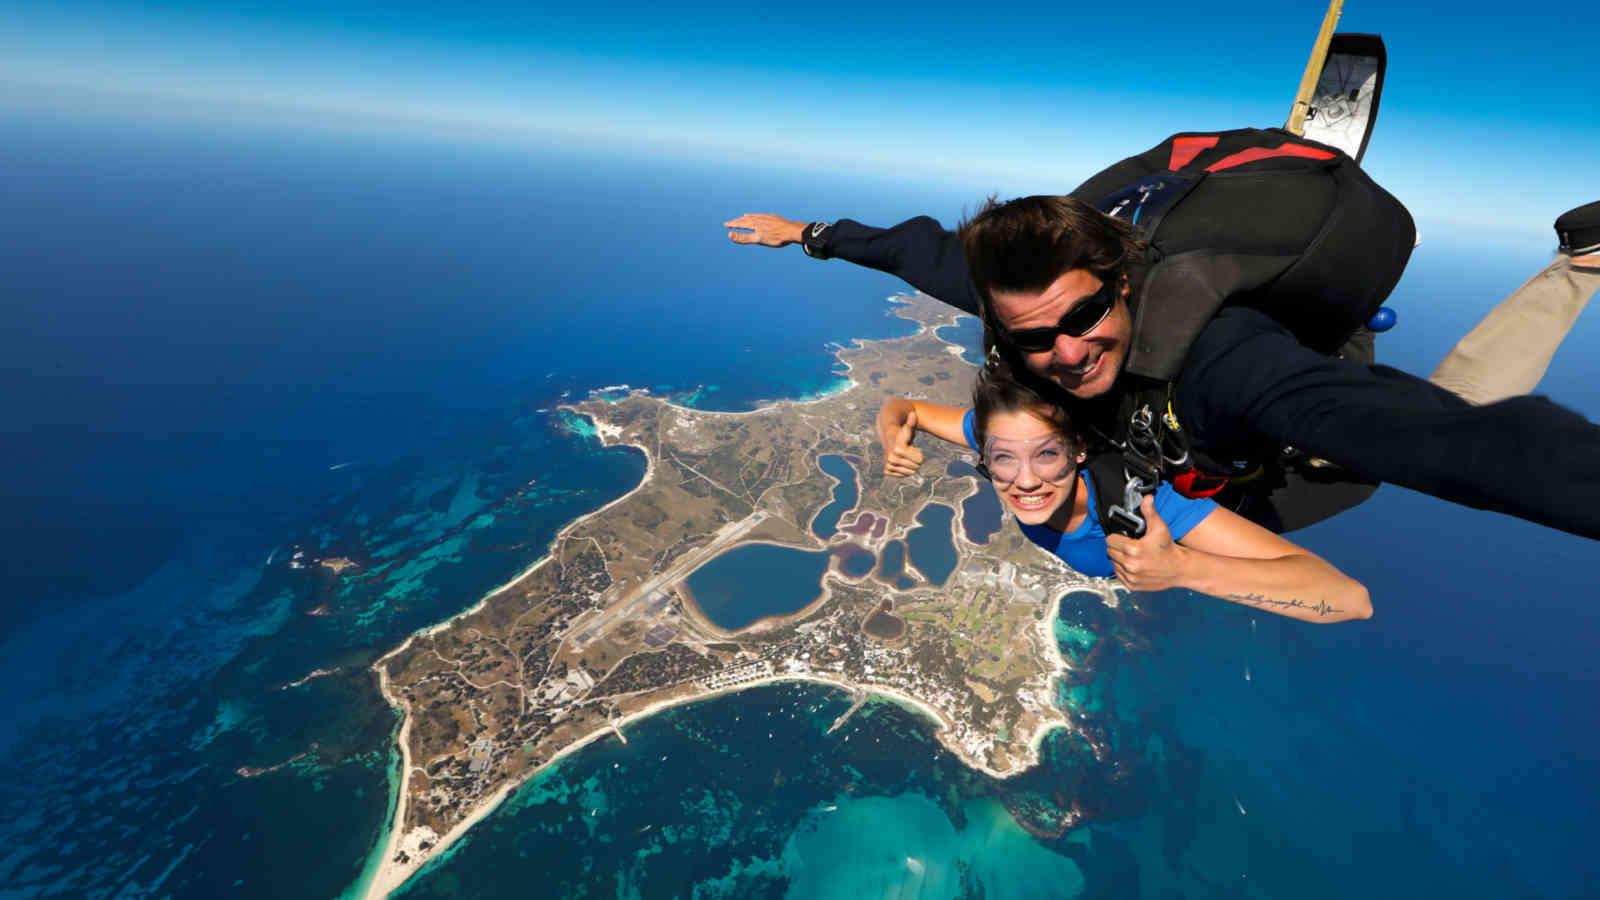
1049 458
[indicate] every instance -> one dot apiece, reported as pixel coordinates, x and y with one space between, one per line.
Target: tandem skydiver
1031 452
1199 310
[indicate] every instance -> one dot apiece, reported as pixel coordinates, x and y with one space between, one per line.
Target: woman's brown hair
998 390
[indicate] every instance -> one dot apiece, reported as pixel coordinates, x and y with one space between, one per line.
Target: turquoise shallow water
906 846
750 797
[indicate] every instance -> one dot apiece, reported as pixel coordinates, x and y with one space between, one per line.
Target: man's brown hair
1025 244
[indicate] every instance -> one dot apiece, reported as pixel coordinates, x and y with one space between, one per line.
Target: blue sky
1484 117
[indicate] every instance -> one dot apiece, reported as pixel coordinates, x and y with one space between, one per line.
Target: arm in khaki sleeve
1232 558
1507 352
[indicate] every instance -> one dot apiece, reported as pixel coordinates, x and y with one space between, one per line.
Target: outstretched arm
917 251
1237 560
900 419
1247 377
764 229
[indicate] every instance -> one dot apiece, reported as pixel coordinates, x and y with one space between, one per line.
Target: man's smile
1081 371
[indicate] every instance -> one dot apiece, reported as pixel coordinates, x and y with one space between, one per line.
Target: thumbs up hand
1150 563
897 425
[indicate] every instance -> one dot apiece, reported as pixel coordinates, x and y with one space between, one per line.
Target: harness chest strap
1122 478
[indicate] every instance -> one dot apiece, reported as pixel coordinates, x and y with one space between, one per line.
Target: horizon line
488 126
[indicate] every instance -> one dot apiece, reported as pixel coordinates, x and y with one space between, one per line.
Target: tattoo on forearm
1320 607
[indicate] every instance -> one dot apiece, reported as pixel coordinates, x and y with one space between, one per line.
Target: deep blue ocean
226 347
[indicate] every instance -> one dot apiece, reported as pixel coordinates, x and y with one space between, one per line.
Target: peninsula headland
603 629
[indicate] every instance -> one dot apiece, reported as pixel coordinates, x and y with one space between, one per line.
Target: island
606 627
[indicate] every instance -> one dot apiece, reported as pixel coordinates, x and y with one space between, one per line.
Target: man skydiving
1228 310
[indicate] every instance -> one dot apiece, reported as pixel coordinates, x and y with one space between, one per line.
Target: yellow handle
1308 81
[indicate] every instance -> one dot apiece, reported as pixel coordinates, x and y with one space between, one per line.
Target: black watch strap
814 239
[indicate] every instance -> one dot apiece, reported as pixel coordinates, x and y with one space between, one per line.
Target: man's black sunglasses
1075 322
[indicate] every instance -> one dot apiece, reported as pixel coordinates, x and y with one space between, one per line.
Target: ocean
230 347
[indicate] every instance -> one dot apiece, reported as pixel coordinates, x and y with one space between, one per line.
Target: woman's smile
1030 502
1031 465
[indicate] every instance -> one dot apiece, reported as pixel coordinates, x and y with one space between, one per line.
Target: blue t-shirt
1084 548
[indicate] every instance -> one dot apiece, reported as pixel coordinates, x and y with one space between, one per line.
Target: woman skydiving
1031 453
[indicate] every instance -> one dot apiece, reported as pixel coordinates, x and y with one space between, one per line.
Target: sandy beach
390 875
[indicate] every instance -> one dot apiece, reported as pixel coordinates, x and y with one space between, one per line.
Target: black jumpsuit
1247 383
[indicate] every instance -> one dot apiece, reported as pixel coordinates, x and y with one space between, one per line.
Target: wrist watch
814 239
